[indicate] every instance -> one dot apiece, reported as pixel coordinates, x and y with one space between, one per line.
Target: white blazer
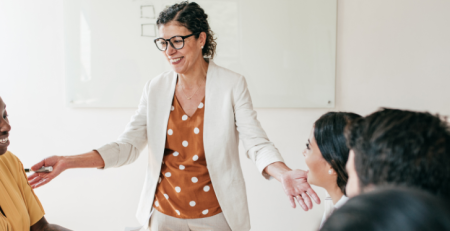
229 116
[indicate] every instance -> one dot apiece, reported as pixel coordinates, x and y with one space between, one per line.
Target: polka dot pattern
184 189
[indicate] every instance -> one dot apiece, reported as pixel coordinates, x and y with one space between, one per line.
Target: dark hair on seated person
406 148
194 18
391 209
329 135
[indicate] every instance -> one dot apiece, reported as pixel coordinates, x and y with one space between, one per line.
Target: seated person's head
326 151
4 128
391 210
396 147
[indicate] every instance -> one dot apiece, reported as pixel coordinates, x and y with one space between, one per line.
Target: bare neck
196 75
335 193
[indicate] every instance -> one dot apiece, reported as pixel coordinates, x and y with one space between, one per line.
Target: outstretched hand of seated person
295 185
39 179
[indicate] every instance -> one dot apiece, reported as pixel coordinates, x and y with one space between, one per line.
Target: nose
304 152
170 50
4 126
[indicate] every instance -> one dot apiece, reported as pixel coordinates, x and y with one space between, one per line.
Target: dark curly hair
329 135
391 209
193 17
397 147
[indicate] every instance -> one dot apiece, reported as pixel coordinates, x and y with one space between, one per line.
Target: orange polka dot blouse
185 189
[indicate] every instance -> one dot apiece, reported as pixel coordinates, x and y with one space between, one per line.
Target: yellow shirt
17 199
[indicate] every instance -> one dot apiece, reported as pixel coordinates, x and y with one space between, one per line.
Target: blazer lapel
209 121
161 112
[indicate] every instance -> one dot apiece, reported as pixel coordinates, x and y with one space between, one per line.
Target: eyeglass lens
177 42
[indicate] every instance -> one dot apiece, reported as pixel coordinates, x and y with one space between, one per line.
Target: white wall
390 53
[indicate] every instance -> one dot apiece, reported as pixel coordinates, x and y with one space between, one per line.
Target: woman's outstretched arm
90 159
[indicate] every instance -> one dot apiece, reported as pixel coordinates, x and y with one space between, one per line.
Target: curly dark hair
398 147
193 17
329 135
391 209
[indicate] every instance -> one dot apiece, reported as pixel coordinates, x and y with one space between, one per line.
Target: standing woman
192 118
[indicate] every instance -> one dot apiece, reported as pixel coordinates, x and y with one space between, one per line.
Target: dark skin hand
43 225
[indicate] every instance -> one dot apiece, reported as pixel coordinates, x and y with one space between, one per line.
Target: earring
330 171
202 47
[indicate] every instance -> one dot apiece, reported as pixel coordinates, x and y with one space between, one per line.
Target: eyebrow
309 141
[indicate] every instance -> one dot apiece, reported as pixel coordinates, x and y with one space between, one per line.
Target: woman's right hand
38 179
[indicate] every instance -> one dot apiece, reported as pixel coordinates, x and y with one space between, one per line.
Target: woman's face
318 167
184 59
4 128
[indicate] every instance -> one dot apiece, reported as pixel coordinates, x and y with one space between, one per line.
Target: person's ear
331 170
202 39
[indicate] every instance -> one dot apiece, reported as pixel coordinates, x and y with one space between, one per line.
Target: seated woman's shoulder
9 162
9 158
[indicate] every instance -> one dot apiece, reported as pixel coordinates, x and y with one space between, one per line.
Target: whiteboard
286 49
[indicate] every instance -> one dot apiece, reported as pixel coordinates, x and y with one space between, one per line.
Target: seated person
326 154
397 147
20 209
391 209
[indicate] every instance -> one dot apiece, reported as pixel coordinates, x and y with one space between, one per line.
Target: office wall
389 54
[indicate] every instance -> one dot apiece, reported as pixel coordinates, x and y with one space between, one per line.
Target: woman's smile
176 61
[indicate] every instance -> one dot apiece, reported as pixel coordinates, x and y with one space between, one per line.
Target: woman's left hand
296 186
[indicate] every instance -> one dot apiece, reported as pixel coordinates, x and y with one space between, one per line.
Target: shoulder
224 73
11 164
162 80
226 78
10 160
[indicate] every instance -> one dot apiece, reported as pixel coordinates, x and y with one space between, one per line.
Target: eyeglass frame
171 44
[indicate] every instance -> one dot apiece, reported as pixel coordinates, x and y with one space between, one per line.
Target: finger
42 182
313 195
32 176
292 201
301 202
307 200
38 165
34 180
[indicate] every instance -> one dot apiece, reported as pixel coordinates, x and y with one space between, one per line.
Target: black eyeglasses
177 42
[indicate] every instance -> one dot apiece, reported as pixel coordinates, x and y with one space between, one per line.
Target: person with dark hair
20 208
398 147
191 118
326 154
391 209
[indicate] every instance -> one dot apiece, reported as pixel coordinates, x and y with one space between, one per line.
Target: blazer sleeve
257 145
132 141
